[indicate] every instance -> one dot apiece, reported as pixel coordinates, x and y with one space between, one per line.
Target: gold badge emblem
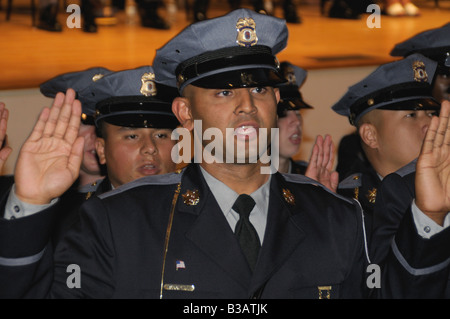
148 87
288 197
246 36
420 74
289 75
191 198
97 77
247 79
372 195
324 292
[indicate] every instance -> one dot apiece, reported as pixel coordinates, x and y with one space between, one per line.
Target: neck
283 165
242 178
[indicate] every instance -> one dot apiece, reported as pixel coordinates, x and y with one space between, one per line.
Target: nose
148 146
245 102
425 120
294 118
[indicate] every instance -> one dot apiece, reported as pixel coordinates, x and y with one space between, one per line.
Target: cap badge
148 87
191 198
247 79
420 74
97 77
290 76
246 36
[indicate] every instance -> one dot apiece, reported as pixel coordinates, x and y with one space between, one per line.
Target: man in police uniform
391 109
435 45
116 102
180 235
398 189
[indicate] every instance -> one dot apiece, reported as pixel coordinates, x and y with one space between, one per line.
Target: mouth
295 138
246 131
91 152
148 169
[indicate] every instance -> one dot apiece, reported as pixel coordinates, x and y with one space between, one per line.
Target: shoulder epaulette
351 181
407 169
302 179
164 179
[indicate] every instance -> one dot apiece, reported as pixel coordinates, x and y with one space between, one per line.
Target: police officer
391 110
134 124
117 102
188 234
435 45
290 121
398 189
91 173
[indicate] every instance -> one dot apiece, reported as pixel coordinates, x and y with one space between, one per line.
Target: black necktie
245 232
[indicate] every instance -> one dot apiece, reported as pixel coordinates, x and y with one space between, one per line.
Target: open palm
433 168
50 159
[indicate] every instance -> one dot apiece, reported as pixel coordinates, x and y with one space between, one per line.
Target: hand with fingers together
49 160
320 166
432 181
5 150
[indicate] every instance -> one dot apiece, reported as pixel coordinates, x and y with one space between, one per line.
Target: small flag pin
180 265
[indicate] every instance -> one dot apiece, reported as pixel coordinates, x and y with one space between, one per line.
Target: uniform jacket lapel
210 231
282 236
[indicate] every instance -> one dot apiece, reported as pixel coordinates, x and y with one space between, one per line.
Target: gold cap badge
420 74
290 75
148 87
191 198
246 36
97 77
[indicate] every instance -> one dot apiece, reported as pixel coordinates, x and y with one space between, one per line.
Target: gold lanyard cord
168 230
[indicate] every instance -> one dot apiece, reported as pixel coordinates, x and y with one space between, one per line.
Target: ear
182 110
100 149
368 134
277 94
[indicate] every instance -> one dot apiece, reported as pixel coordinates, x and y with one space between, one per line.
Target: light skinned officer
398 189
173 236
391 109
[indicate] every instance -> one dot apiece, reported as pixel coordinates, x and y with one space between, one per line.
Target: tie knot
244 205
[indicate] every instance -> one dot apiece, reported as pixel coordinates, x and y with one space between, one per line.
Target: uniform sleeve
30 268
416 267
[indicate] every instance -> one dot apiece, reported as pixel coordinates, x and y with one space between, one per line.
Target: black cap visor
291 99
255 77
139 112
419 104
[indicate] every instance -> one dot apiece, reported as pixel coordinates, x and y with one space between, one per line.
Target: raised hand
5 150
320 166
49 160
433 168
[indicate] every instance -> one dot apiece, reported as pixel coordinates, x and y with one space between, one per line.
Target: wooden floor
29 56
